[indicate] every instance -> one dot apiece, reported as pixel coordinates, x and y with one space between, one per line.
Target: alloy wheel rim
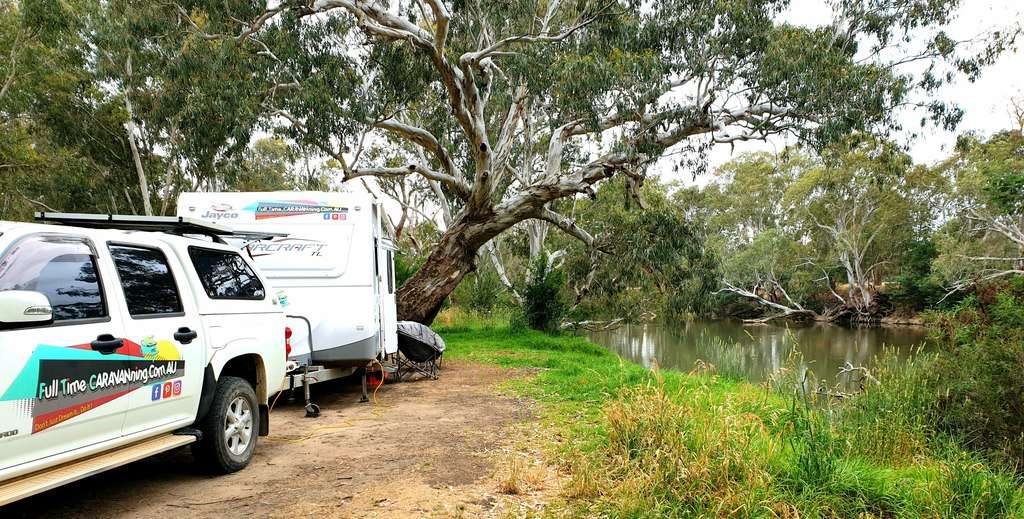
238 426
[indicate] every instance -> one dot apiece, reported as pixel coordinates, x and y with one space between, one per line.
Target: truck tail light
287 342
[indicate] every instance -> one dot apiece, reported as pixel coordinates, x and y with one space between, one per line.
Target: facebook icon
157 390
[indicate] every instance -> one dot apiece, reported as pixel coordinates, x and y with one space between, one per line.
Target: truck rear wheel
230 428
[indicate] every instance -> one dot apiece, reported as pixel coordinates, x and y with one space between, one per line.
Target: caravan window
225 275
391 272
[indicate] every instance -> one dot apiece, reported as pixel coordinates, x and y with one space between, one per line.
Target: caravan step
47 479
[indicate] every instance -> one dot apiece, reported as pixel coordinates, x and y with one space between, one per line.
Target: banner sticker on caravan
58 384
283 208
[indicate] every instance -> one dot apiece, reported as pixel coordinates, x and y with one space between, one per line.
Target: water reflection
761 350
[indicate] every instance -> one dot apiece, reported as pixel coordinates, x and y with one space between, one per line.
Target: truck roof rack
178 225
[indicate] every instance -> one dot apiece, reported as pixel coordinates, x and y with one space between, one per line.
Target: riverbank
637 443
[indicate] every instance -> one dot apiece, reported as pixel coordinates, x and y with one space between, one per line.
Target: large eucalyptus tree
506 106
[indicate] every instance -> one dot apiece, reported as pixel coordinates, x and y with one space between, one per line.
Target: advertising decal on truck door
283 208
58 384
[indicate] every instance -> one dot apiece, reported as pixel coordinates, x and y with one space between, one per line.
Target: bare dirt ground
425 449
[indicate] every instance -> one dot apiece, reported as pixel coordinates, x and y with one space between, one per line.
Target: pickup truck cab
111 339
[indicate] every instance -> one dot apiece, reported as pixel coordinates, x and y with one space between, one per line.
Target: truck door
62 384
163 320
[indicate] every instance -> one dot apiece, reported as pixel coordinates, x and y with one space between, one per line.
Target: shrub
405 267
480 292
543 305
916 286
982 386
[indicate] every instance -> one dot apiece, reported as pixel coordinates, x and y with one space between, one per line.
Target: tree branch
493 49
421 137
569 227
411 169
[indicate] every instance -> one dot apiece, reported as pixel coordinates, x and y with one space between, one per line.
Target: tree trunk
421 296
129 127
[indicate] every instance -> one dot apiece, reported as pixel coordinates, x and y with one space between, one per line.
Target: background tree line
856 232
95 118
508 137
490 119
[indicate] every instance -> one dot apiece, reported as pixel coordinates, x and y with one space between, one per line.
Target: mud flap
264 420
206 397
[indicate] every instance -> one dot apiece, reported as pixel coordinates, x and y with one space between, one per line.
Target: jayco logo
221 212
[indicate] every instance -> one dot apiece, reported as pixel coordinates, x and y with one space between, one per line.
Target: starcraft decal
294 246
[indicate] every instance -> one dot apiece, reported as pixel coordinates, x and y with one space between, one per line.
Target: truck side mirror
22 307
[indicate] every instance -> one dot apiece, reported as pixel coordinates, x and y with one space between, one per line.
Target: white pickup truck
119 344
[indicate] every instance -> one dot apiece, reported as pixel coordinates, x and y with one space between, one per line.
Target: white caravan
332 265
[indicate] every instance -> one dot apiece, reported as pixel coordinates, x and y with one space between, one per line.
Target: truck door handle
185 335
107 344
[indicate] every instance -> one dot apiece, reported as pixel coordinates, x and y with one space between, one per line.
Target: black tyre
230 429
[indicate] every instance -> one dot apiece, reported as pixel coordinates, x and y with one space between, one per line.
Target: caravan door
386 297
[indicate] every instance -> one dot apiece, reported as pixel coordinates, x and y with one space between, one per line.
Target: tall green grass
641 443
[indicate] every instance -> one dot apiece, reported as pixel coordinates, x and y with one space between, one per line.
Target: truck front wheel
230 428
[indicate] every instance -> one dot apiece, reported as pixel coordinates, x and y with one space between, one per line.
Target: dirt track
425 449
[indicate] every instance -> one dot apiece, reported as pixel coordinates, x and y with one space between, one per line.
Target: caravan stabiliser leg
312 410
365 397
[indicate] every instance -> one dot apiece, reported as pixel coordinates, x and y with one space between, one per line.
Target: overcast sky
985 102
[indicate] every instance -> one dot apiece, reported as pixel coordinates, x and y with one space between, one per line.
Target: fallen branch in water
865 374
594 326
603 326
848 369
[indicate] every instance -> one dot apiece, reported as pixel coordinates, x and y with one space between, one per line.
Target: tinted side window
61 268
148 283
225 275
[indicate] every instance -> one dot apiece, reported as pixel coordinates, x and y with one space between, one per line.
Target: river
756 351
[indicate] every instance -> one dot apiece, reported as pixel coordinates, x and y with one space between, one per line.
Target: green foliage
792 227
480 291
858 191
1002 170
270 165
988 197
405 266
543 303
982 386
655 260
917 286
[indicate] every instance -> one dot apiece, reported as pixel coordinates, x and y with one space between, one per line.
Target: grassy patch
638 443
